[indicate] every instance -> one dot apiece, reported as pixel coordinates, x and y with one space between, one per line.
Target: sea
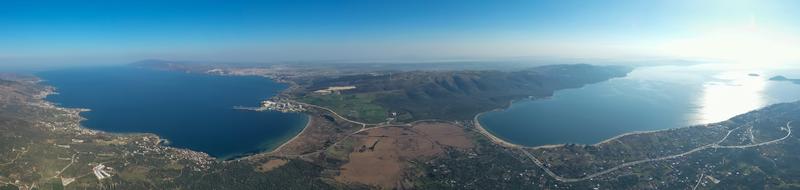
193 111
649 98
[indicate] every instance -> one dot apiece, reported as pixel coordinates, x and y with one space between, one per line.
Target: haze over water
649 98
192 111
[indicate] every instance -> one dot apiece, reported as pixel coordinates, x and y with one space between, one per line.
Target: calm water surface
190 110
649 98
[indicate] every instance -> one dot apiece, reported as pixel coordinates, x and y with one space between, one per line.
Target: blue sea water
649 98
193 111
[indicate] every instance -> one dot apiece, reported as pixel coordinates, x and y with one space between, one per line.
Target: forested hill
451 95
454 94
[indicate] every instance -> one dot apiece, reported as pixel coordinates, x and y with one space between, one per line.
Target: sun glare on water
740 51
732 94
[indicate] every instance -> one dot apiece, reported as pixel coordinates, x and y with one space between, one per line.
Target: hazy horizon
43 34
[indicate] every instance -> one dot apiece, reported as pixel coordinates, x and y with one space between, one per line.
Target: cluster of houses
282 106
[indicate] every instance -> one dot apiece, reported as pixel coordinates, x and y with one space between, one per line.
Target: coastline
76 112
492 137
266 151
289 139
159 139
503 142
269 144
500 141
286 142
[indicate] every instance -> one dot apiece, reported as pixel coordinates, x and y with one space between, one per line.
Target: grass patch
136 173
342 152
359 107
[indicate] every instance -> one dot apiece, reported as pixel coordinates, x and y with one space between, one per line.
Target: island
782 78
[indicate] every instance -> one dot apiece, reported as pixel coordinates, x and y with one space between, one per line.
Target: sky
89 32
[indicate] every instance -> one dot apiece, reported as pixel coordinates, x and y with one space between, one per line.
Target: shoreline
492 137
290 85
77 111
262 151
159 139
281 142
286 142
51 90
500 141
495 139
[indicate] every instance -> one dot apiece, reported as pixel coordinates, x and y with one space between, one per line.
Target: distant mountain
184 66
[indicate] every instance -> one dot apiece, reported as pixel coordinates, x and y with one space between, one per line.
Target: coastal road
364 127
539 163
334 113
627 164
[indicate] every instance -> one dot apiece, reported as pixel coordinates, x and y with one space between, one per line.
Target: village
281 106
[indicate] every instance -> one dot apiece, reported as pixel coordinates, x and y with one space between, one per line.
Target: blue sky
119 31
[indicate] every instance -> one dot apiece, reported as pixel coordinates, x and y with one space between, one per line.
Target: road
16 157
538 162
364 127
72 161
627 164
762 143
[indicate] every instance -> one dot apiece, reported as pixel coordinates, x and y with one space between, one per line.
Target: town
276 104
282 106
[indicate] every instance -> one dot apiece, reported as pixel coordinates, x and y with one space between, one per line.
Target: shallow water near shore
193 111
649 98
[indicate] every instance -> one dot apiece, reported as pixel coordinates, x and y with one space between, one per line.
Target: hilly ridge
454 95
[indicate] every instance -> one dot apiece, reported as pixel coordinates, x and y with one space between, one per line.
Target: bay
649 98
193 111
